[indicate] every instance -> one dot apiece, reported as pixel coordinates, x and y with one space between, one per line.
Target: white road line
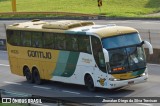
41 87
6 65
154 64
71 92
98 96
145 104
39 104
3 51
7 82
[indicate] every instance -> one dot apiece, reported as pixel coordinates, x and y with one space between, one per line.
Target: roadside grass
34 16
110 8
13 104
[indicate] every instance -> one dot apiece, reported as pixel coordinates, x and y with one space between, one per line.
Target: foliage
112 8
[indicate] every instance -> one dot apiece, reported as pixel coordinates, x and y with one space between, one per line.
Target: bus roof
73 26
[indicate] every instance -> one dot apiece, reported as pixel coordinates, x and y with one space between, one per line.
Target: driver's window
98 53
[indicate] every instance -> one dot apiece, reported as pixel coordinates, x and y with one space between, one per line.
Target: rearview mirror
149 47
106 55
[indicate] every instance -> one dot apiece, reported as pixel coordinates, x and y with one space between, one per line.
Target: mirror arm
149 46
106 55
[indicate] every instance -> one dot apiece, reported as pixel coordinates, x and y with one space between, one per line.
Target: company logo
6 100
21 100
86 60
101 81
39 54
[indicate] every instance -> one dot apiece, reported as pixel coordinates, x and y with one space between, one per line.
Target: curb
82 18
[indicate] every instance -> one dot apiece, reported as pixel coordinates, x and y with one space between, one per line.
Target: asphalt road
16 83
148 29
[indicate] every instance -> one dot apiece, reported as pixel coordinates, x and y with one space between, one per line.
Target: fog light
113 79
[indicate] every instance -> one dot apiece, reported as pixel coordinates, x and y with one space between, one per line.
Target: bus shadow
121 92
60 87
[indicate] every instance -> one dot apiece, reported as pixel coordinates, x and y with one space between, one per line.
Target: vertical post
0 94
100 9
99 4
149 36
14 5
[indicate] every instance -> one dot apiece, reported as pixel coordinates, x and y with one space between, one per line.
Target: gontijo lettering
39 54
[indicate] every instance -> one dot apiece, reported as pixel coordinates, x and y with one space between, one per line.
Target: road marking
154 64
98 96
145 104
71 92
3 51
41 87
39 104
6 65
7 82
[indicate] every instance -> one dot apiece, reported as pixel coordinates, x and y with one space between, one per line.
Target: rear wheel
36 77
89 83
28 75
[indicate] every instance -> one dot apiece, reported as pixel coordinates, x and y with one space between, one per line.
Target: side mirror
106 55
149 47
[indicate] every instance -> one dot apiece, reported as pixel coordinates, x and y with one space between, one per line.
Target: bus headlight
144 74
113 79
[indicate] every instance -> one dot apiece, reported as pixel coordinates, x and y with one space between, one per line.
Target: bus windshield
127 55
121 41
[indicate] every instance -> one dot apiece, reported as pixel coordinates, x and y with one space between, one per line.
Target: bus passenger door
100 67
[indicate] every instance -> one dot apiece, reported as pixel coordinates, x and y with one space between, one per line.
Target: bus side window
49 40
26 39
75 43
72 43
14 37
84 44
98 53
60 42
37 39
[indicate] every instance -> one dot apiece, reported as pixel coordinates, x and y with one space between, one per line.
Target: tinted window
26 38
84 44
37 39
14 37
72 42
49 40
98 53
60 42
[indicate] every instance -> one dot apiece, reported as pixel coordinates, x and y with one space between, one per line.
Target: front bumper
121 83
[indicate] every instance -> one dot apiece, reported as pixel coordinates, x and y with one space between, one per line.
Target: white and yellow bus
77 52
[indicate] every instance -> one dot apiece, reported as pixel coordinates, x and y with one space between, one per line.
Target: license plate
131 82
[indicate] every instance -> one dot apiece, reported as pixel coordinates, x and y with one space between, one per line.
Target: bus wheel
36 77
28 75
89 83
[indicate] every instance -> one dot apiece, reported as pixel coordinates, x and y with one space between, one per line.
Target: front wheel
89 83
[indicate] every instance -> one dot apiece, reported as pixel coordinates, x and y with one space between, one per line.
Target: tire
36 77
28 75
89 83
